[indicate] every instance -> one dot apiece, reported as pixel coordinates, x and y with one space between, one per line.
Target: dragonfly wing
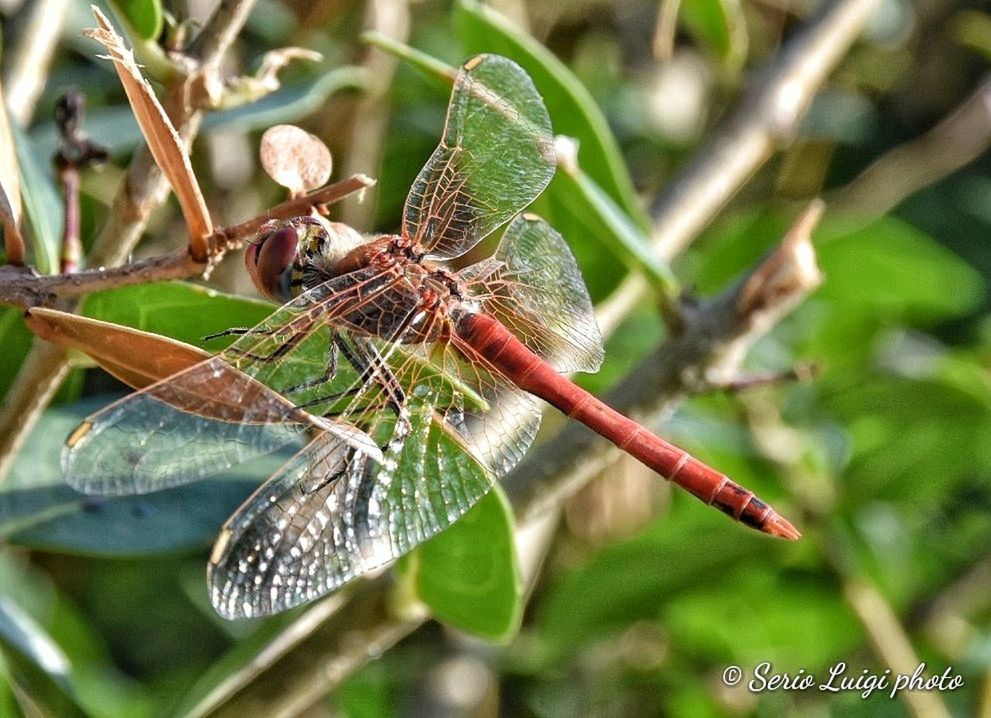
173 432
227 409
333 513
496 155
534 287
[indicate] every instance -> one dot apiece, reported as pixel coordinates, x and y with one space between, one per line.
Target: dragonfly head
271 257
286 251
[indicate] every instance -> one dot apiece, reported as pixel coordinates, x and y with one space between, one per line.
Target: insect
415 383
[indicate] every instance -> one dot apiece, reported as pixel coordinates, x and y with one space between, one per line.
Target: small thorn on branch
790 270
804 373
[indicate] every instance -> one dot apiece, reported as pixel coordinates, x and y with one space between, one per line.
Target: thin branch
891 643
22 287
957 140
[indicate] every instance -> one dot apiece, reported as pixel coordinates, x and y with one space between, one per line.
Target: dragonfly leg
329 373
369 364
240 332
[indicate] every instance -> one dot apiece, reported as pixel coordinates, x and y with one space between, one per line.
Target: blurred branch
957 140
144 188
891 643
712 346
32 54
765 120
948 619
309 666
370 118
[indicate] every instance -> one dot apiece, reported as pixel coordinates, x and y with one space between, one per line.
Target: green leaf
571 107
42 205
144 16
719 26
183 311
16 341
37 508
468 574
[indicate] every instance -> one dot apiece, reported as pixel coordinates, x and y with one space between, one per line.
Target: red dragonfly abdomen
498 345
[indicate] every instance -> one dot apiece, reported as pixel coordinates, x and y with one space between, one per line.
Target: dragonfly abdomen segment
497 344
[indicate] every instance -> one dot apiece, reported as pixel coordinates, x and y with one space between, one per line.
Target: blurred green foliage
883 460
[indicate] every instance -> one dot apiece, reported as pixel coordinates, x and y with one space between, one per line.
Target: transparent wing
233 407
333 513
534 287
496 155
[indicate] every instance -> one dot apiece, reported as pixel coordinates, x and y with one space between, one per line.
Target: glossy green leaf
144 16
468 574
183 311
719 25
572 109
37 508
43 206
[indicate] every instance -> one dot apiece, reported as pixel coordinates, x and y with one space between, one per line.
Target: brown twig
21 287
75 152
10 190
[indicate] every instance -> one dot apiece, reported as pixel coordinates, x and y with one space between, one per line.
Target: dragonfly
413 384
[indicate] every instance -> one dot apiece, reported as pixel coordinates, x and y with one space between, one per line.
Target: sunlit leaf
183 311
468 575
294 158
145 16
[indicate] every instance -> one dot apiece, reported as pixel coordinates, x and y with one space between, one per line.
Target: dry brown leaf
140 359
135 357
161 136
295 159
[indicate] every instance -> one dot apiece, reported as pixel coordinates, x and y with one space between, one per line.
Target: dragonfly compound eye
270 262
